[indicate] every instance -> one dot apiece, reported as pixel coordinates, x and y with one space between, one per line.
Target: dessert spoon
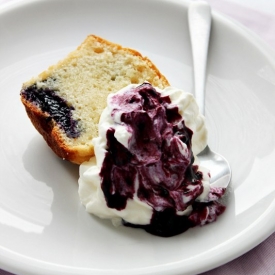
199 21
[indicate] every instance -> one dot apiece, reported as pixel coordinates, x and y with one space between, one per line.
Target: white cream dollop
189 110
136 211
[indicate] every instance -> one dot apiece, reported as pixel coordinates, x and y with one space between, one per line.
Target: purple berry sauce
155 157
58 109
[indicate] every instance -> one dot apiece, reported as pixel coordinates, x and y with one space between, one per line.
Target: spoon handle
199 19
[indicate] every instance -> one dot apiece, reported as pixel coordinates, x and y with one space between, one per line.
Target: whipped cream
116 183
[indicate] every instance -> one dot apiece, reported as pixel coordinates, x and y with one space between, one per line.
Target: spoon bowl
218 166
199 20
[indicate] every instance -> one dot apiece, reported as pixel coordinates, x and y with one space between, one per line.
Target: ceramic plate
43 227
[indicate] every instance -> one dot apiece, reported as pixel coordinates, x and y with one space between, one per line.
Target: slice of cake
65 102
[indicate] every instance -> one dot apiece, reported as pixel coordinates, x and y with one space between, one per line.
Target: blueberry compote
57 108
157 165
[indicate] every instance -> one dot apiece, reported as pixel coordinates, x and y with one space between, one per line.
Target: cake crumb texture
83 81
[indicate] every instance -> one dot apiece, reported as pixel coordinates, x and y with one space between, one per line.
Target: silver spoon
199 20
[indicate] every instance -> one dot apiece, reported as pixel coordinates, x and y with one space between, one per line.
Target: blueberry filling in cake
57 108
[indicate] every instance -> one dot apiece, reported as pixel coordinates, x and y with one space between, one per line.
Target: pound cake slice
65 102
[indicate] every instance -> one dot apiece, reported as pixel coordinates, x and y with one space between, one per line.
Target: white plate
43 227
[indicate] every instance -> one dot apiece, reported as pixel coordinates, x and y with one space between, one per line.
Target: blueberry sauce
160 159
57 108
